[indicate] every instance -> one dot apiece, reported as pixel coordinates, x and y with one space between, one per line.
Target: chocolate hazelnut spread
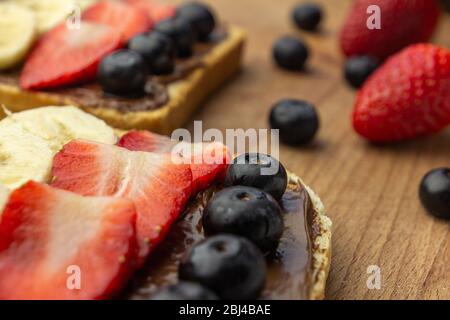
288 275
91 95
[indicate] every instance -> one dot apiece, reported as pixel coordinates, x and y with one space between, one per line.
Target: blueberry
200 16
296 120
231 266
290 53
307 16
123 72
246 212
434 192
181 33
260 171
184 290
358 69
157 49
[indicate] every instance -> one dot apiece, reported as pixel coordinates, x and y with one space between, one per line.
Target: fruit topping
307 16
156 11
123 73
158 51
23 156
290 53
158 187
296 120
435 192
231 266
17 32
184 290
181 32
58 245
65 57
407 97
401 23
208 161
358 69
260 171
48 13
126 19
200 16
246 212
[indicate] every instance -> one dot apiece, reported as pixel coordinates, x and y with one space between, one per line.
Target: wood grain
370 192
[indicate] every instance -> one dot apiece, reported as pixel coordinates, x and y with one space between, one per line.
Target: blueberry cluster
296 120
125 72
243 223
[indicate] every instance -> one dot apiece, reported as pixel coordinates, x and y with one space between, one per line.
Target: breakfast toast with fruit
134 63
138 200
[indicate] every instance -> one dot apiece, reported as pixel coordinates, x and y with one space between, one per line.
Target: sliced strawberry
128 20
208 161
157 11
68 56
49 237
158 187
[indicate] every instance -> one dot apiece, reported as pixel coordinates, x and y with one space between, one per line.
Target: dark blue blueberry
158 51
434 192
358 69
123 73
290 53
260 171
231 266
307 16
200 16
247 212
181 33
296 120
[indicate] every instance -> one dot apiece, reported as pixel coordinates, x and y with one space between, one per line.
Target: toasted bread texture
320 241
185 95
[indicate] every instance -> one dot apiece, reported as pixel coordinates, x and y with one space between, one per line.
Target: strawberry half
68 56
208 161
48 236
403 22
126 19
407 97
158 187
156 11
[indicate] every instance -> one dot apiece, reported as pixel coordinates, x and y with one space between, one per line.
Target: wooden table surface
370 192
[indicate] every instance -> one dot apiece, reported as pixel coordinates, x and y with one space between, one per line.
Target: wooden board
370 192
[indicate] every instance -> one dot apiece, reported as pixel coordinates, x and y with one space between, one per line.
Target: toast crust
218 65
320 241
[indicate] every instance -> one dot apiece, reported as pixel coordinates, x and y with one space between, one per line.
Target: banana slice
59 125
49 13
17 33
23 156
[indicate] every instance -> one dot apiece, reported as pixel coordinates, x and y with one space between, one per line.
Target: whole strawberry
407 97
402 22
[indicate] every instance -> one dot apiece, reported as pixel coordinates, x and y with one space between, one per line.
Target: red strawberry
158 187
201 156
403 22
157 11
44 232
65 56
407 97
128 20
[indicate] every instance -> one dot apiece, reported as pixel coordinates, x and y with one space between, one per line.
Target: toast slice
205 73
